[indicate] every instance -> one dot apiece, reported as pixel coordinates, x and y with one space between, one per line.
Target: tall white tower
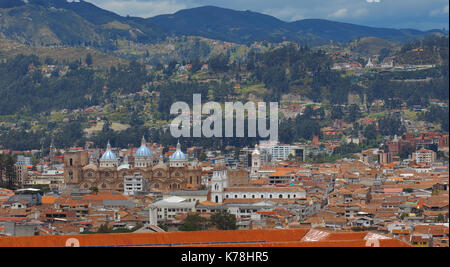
153 215
256 163
219 182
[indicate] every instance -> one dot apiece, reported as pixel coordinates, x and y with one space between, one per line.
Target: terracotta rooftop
258 238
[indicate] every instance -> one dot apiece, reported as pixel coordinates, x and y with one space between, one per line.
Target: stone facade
109 172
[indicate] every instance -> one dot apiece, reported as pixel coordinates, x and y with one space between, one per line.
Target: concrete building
21 174
189 195
22 160
278 151
133 184
424 156
170 208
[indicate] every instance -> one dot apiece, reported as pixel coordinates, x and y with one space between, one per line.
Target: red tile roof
259 238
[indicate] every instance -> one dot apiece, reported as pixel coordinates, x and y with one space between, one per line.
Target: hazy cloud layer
419 14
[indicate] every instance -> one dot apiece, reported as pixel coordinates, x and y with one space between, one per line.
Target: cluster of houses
350 195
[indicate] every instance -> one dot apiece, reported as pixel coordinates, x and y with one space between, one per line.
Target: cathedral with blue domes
109 171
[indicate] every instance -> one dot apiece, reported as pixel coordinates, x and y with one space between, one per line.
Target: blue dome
109 155
143 151
178 155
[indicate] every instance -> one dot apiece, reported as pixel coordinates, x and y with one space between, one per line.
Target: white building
134 184
424 156
370 64
269 192
22 160
169 208
189 195
277 151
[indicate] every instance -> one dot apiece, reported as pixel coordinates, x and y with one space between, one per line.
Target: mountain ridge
212 22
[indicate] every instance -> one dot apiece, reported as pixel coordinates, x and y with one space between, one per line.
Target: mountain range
60 22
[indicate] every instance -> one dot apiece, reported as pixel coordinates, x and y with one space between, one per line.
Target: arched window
217 199
71 162
280 196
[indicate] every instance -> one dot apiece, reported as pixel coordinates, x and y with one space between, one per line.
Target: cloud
360 12
438 12
341 13
286 13
140 8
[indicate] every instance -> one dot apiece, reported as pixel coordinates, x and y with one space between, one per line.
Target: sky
416 14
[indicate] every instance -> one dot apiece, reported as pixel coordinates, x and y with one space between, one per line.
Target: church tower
219 182
256 163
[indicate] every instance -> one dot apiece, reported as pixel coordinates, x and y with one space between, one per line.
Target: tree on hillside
89 59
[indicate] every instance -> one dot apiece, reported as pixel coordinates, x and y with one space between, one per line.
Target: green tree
224 220
440 218
88 59
103 229
193 222
370 132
